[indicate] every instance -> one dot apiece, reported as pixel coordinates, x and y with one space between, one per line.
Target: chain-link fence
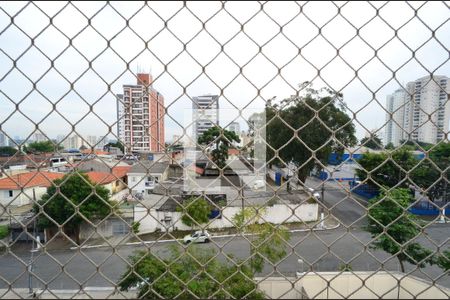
224 149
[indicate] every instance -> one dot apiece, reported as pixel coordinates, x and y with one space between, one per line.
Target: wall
104 229
23 198
350 284
151 219
136 181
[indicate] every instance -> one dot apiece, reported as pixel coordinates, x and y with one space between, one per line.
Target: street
320 251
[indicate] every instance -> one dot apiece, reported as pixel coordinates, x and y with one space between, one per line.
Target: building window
10 193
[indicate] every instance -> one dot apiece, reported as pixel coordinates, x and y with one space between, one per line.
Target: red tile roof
96 152
101 177
121 171
30 179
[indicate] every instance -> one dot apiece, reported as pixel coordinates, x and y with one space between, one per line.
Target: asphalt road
320 251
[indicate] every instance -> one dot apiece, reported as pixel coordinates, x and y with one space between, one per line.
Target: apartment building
395 117
140 114
3 140
205 113
38 136
73 142
420 113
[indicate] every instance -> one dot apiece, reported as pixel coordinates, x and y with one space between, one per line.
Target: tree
425 173
116 144
42 147
443 261
270 241
222 140
389 146
74 190
196 273
440 156
316 121
372 142
196 211
7 151
395 229
415 145
384 170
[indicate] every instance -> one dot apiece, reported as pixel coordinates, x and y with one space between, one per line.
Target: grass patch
4 231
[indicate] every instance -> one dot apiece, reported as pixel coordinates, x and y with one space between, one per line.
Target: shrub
135 227
4 231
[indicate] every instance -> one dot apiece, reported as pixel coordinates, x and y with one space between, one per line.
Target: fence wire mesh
308 149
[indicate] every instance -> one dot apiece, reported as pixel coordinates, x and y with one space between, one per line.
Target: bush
4 231
345 267
311 200
135 227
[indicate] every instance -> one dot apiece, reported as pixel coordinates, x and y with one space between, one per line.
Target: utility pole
33 249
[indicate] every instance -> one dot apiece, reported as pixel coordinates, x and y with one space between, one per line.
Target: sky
246 52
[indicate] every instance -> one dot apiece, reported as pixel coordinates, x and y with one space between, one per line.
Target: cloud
246 52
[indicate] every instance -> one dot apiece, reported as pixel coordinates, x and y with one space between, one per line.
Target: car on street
197 237
314 193
258 184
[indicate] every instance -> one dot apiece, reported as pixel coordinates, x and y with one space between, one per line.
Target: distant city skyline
421 112
238 72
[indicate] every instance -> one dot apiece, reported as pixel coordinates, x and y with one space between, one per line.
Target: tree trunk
77 234
402 266
302 174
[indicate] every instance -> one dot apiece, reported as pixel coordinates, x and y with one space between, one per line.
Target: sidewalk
86 293
329 223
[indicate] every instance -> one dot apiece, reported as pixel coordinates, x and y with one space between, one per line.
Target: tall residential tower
205 113
420 113
140 114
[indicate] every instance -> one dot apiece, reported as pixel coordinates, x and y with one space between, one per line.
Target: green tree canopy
384 170
372 142
221 139
394 228
116 144
195 273
42 147
425 173
269 242
443 261
389 146
195 211
7 151
75 189
330 130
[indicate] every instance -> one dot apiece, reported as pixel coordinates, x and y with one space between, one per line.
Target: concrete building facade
140 114
205 113
420 113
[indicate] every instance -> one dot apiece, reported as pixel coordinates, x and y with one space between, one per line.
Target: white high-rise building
394 131
140 115
235 127
91 141
205 113
73 142
3 140
421 113
38 136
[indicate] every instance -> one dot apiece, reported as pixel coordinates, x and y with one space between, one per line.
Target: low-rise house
144 175
114 181
20 189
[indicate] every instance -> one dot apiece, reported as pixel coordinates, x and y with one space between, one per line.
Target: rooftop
30 179
149 167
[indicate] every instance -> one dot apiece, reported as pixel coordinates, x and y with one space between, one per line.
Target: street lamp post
32 251
301 263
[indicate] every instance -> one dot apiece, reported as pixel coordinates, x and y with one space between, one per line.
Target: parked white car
197 237
258 184
314 193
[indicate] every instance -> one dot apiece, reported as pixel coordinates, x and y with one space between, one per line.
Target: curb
212 236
